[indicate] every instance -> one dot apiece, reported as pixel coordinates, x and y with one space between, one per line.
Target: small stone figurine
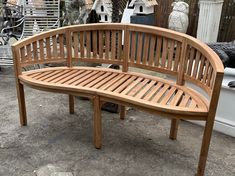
178 19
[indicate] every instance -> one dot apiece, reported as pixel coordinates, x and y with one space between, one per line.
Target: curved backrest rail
47 47
146 47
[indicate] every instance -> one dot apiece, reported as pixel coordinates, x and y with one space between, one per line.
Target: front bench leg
174 128
97 122
21 102
205 146
71 104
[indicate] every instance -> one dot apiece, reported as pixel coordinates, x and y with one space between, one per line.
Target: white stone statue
178 19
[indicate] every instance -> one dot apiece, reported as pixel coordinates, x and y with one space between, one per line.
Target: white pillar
209 20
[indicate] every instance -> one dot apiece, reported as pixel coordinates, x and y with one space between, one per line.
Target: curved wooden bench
186 60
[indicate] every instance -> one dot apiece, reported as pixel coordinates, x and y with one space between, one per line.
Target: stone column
209 20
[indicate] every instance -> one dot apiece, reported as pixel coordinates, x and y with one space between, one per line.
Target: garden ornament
178 19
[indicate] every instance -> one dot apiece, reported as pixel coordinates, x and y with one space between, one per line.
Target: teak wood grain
150 48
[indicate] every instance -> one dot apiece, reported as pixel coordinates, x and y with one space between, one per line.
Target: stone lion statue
178 19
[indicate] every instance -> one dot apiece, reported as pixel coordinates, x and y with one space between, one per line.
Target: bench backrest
146 47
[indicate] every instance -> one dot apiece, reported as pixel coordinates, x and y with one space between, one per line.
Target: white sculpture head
180 7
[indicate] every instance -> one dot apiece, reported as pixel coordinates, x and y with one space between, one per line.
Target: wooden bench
177 55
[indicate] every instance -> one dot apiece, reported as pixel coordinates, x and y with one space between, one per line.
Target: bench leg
205 147
122 112
21 102
174 128
97 122
71 104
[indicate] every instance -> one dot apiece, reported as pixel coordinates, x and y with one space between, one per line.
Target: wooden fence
227 22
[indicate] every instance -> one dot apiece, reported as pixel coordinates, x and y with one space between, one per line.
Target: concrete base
136 146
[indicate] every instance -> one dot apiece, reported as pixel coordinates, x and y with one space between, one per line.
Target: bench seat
152 92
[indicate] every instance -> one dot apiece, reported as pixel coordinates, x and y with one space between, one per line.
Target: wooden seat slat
65 75
176 98
104 81
161 92
193 104
90 80
46 75
153 91
124 85
145 89
54 76
167 97
86 72
98 79
118 83
185 100
138 87
35 74
78 72
132 85
84 78
111 82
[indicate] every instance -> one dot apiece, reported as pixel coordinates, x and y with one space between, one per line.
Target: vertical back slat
133 46
152 50
202 65
158 52
61 41
29 52
209 74
177 56
94 43
41 49
75 44
190 61
146 49
54 43
22 54
101 44
119 51
195 69
113 45
48 48
164 52
82 43
139 48
205 71
88 44
107 44
35 51
170 54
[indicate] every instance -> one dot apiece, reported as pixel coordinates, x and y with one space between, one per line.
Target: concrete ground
57 143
